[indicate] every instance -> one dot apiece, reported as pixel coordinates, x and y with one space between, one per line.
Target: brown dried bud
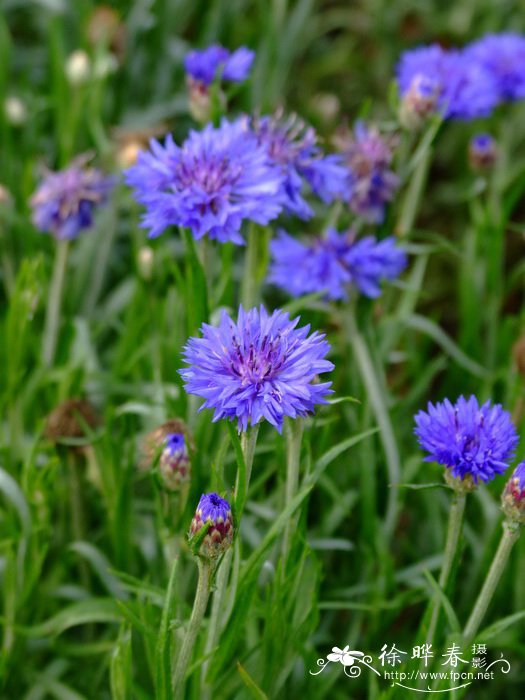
70 419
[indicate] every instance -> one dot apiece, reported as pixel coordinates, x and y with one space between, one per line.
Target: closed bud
418 102
169 446
518 351
15 111
513 499
214 513
72 418
482 152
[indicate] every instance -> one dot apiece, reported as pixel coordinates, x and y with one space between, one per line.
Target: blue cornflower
503 57
259 368
217 62
471 440
334 263
65 201
218 178
216 512
369 155
467 90
293 146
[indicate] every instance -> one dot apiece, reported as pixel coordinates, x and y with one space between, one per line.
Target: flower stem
197 615
378 402
248 443
511 533
455 521
255 265
294 435
54 303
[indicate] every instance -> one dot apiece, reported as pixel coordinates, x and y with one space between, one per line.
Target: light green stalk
54 303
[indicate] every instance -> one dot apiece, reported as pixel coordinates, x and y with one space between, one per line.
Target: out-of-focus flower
78 68
419 102
368 155
293 146
513 499
105 28
217 179
474 442
216 62
145 258
174 462
503 57
6 198
518 352
334 264
15 110
65 202
482 152
259 368
467 90
129 142
215 512
71 419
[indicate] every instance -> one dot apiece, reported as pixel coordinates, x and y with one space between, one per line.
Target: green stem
378 401
104 247
77 509
248 443
197 615
294 435
54 303
254 266
511 533
455 521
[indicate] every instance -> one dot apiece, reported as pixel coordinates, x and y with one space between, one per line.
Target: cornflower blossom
293 146
261 367
334 264
219 178
419 101
368 156
215 512
65 202
503 57
174 462
472 441
216 62
467 90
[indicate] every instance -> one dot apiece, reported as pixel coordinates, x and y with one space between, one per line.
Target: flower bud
78 68
71 419
199 100
174 462
513 498
215 512
418 102
145 259
170 444
482 152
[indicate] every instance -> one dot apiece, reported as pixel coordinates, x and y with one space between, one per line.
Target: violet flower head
419 102
259 368
216 62
216 512
369 155
65 202
334 264
217 179
513 498
174 462
293 147
467 90
503 57
474 442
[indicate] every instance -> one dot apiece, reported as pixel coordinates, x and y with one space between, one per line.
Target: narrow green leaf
164 646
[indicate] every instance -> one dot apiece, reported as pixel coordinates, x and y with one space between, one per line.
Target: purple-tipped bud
419 102
171 444
174 462
217 512
513 499
482 152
